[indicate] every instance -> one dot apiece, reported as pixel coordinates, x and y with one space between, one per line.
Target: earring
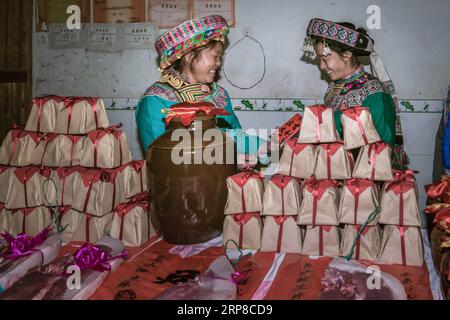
308 48
326 49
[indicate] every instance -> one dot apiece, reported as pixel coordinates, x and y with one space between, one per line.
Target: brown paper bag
358 127
318 125
320 203
66 179
244 229
399 201
90 228
26 188
321 241
104 148
281 234
60 151
367 246
22 148
42 116
96 193
374 163
359 200
333 162
80 115
245 193
297 159
131 223
5 175
282 196
402 245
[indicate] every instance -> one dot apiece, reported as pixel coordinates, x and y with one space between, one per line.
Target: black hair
177 65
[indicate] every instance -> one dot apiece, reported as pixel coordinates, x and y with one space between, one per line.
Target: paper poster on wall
168 13
60 37
225 8
104 37
55 11
119 11
139 36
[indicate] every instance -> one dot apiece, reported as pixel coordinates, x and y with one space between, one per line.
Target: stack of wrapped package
69 167
361 210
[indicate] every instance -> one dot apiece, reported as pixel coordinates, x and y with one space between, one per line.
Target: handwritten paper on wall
225 8
168 13
119 11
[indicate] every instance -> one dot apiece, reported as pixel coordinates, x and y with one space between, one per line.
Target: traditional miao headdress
179 41
362 45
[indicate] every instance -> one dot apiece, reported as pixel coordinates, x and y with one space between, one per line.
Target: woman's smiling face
206 64
334 64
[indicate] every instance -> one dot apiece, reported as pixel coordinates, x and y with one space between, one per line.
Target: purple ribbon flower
93 257
23 245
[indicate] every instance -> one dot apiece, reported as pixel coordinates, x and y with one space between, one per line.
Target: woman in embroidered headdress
190 58
338 46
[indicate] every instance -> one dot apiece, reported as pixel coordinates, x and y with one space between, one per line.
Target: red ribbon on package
39 102
279 220
69 102
374 150
138 165
241 220
296 149
330 149
356 187
24 174
354 113
403 183
241 179
124 208
96 135
318 188
317 110
188 111
402 239
442 219
321 228
281 181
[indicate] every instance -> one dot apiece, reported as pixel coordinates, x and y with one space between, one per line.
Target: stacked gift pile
336 202
68 157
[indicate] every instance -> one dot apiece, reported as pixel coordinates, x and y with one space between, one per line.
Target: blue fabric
446 144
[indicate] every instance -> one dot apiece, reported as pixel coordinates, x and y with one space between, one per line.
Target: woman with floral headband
190 58
338 46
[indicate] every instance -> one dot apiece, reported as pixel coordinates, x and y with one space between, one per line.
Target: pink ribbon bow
90 256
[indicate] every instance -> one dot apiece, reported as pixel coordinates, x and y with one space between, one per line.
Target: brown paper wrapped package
25 189
321 241
297 160
318 125
401 245
42 116
374 163
134 177
282 196
358 127
80 115
245 193
60 151
30 220
244 229
367 246
104 148
320 203
333 162
399 203
90 228
5 175
359 199
22 148
281 234
131 224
